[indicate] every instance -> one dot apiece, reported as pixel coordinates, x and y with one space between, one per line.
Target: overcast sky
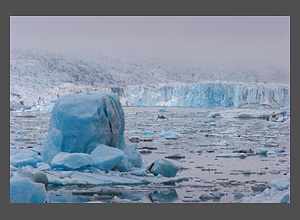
252 41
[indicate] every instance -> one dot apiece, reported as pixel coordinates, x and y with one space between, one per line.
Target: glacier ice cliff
209 95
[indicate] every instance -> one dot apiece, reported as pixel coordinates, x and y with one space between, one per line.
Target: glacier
209 95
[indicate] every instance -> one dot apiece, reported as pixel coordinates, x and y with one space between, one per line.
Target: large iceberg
86 121
208 95
88 131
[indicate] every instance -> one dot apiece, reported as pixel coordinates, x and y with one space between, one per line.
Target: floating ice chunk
107 157
25 158
86 121
278 192
131 159
214 115
205 196
267 151
285 198
217 195
170 134
148 133
52 145
271 153
233 155
209 120
281 184
118 200
23 190
163 167
164 196
282 119
141 172
162 110
73 161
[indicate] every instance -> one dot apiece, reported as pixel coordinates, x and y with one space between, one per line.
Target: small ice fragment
233 155
238 195
214 115
205 196
217 195
170 134
162 110
209 120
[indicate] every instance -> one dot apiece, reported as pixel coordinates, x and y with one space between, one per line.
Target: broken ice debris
73 161
163 167
233 155
170 134
107 157
214 115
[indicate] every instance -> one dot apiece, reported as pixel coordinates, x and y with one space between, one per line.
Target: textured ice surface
131 159
103 178
209 94
86 121
73 161
163 167
23 190
107 157
52 145
25 158
279 192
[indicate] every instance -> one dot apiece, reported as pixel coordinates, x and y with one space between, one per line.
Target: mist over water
254 42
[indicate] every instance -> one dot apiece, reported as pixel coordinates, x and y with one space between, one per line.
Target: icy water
198 152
